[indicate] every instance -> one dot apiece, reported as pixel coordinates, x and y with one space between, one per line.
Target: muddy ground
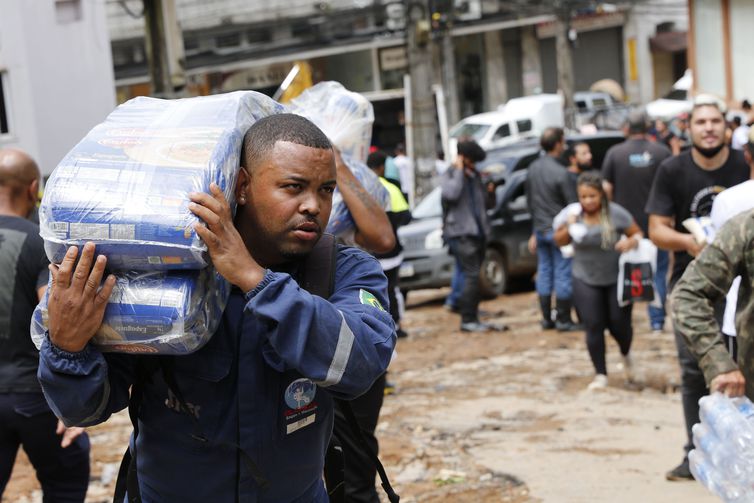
501 417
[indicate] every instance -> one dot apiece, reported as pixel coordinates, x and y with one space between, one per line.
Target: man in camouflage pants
705 282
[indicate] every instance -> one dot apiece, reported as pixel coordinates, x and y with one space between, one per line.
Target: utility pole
164 46
564 56
419 40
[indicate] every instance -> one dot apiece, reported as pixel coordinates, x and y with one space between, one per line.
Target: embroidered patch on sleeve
367 298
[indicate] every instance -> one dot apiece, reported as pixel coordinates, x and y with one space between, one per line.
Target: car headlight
433 241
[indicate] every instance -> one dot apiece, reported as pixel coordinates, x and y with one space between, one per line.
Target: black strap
345 408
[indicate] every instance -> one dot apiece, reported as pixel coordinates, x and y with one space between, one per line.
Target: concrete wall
741 22
58 70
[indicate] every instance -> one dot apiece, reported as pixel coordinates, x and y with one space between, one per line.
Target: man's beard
709 152
584 167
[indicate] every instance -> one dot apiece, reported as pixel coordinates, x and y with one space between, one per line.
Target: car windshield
430 206
677 94
469 129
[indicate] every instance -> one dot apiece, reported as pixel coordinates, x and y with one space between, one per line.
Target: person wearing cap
629 169
685 186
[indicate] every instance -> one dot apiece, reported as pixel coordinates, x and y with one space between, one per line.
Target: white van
518 119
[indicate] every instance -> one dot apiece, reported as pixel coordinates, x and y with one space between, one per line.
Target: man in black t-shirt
61 463
685 186
629 170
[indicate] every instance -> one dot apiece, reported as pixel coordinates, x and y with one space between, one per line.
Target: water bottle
722 457
745 407
711 478
723 417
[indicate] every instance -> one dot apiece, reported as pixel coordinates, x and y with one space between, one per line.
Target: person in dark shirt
61 463
549 189
579 157
685 187
629 170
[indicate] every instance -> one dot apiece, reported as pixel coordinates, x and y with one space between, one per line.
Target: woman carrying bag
599 231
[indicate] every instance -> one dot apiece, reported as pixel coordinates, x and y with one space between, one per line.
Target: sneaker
627 366
566 326
474 326
657 328
496 327
680 472
599 382
402 334
389 388
450 308
547 324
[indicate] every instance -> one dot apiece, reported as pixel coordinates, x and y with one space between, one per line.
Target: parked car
426 260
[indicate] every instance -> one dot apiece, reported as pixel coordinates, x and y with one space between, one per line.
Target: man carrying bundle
248 416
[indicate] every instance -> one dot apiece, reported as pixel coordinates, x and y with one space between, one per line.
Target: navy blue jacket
265 382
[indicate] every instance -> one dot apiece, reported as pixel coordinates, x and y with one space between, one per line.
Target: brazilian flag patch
367 298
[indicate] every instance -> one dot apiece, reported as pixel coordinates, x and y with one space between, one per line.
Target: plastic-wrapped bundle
125 185
723 460
173 312
341 222
344 116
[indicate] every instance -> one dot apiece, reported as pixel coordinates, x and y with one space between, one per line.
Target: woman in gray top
599 231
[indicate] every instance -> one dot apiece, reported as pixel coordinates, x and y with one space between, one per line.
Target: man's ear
34 191
242 184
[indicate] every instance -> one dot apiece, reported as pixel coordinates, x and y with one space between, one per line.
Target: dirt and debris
500 417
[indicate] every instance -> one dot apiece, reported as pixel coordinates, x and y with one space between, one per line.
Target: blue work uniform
264 383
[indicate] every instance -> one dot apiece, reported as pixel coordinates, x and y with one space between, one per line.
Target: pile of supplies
723 460
125 187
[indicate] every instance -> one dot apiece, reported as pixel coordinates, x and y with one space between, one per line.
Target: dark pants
469 252
26 419
392 284
360 470
599 310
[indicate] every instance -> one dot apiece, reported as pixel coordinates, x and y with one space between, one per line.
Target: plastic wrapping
341 222
172 312
125 185
344 116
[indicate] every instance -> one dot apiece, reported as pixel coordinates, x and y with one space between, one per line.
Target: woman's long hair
594 180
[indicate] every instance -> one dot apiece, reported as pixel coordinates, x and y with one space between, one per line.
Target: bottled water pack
723 458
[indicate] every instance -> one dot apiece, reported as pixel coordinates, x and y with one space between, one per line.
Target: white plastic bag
344 116
636 272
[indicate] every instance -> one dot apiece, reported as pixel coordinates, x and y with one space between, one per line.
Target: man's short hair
550 138
637 122
471 151
708 100
261 137
376 159
571 149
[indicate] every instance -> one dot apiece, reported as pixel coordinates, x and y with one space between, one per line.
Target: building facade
56 75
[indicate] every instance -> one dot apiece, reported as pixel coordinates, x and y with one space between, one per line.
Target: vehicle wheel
493 276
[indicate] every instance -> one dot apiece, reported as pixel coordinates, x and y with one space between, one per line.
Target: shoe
544 306
680 472
495 327
599 382
547 324
567 326
402 334
627 366
657 329
450 308
474 326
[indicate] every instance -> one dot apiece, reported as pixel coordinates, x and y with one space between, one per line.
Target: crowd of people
197 439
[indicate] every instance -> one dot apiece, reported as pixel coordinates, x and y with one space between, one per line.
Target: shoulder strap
318 273
345 408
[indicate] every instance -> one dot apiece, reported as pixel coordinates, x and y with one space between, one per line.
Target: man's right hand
76 304
532 244
731 383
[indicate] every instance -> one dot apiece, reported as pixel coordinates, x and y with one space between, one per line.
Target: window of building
258 35
228 40
67 11
4 125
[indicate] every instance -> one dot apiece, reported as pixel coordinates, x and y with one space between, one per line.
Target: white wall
710 62
59 71
741 22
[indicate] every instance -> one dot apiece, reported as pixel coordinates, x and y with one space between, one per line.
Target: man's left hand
731 383
69 434
226 247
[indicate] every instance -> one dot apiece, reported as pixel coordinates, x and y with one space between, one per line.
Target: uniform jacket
705 282
458 205
264 382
